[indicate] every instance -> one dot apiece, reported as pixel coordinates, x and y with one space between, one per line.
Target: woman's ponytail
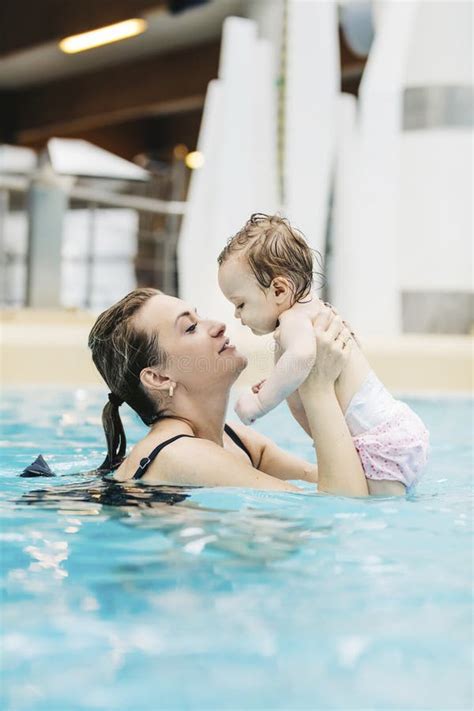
114 434
120 352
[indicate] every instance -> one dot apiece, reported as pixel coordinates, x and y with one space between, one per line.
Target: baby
266 272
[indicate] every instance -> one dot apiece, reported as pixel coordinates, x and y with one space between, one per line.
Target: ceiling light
194 160
102 35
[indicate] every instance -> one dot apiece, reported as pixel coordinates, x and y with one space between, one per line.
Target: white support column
437 177
312 87
239 173
347 269
403 217
376 301
196 251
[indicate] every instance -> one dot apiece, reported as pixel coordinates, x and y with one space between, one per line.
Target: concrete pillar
47 204
4 202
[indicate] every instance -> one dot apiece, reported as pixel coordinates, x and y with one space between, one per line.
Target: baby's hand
248 407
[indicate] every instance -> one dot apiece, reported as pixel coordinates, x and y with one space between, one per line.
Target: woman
176 369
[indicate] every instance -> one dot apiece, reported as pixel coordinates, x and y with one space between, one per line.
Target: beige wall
51 348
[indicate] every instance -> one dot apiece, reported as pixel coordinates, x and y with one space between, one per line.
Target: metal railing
145 258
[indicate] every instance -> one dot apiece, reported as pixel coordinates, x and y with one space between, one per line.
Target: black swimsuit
146 461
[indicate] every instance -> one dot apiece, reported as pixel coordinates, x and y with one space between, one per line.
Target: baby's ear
281 288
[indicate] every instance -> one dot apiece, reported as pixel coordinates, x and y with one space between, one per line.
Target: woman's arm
340 470
298 412
283 465
273 460
339 467
199 462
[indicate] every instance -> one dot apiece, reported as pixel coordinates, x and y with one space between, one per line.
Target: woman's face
200 356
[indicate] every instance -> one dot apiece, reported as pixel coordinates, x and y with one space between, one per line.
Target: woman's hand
333 347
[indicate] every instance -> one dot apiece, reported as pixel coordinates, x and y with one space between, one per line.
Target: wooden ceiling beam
160 85
29 23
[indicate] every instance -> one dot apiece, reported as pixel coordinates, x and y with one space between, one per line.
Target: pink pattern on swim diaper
396 449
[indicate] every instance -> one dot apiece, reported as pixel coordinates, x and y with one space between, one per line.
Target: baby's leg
384 487
352 377
347 385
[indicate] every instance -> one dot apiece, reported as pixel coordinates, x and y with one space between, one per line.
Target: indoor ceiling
43 63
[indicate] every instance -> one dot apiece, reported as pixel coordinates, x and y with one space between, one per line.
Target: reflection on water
105 492
121 596
251 534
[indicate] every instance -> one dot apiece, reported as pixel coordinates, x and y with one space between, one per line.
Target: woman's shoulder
195 461
180 460
158 436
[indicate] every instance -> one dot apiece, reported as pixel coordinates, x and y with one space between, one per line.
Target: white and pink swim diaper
390 438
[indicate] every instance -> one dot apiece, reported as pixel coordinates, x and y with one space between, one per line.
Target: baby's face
254 306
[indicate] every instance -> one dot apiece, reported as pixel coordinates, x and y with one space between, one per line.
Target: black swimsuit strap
235 437
146 461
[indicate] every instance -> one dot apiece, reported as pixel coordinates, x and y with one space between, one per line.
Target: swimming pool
228 599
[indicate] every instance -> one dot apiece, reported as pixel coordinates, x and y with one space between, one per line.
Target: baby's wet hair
273 248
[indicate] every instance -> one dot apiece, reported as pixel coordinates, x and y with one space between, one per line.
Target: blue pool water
228 599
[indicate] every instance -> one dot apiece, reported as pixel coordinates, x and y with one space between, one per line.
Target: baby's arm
298 353
293 400
298 348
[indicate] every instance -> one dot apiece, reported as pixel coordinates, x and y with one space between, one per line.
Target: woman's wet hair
120 352
273 248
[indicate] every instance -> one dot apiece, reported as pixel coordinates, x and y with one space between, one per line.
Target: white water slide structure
397 161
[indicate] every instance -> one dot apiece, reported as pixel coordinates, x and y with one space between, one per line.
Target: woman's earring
171 390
